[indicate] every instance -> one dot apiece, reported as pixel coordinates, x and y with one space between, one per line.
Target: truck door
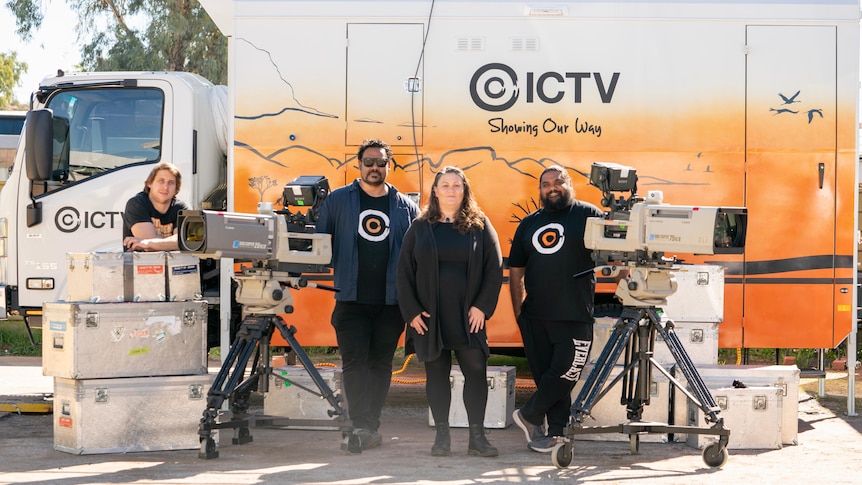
384 96
105 140
791 186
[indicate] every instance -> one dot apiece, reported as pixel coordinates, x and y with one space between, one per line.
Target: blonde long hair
468 216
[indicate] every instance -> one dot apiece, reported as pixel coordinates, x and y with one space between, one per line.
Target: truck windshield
97 130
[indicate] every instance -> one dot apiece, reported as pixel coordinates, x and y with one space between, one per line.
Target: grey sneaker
546 444
350 443
345 441
531 431
369 439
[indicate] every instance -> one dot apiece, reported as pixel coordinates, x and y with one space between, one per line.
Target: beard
369 179
564 201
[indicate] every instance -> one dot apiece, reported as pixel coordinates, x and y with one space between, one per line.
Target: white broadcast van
749 103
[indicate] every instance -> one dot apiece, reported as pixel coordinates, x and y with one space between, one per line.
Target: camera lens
192 235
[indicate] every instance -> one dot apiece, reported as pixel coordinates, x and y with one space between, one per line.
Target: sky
52 47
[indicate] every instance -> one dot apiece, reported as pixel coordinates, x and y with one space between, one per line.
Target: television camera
636 232
280 246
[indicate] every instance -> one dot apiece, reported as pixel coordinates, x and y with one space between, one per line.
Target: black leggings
473 363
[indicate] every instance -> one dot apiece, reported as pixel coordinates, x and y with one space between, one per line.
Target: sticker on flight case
185 269
139 351
150 269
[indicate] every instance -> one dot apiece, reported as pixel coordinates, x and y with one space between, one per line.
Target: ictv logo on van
494 86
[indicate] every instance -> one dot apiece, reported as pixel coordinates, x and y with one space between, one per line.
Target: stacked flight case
128 354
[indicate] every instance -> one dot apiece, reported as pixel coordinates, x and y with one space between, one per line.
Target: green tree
178 35
10 77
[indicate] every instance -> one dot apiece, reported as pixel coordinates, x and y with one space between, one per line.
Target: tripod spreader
634 333
230 383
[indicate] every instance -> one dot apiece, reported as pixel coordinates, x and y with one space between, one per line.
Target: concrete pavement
829 449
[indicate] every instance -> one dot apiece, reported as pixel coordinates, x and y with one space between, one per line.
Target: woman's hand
476 318
418 324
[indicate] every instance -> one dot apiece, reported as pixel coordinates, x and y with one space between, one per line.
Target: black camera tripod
634 333
253 338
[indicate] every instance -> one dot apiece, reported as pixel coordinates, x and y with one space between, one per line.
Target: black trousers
439 392
556 353
367 337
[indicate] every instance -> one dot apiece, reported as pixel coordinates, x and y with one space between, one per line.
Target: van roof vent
470 44
521 44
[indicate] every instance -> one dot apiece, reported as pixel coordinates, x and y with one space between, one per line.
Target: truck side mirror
39 154
39 144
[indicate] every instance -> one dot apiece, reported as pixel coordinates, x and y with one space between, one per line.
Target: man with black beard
552 291
367 220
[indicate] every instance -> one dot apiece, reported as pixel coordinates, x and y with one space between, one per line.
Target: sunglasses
370 162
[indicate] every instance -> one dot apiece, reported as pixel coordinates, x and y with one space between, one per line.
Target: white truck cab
90 140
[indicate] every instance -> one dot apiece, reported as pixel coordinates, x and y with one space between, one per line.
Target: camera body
643 229
261 237
637 232
281 245
285 240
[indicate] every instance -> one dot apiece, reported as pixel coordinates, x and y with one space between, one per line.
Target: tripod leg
593 385
700 393
698 387
636 386
219 391
227 382
353 444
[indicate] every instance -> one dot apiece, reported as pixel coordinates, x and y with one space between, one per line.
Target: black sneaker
531 431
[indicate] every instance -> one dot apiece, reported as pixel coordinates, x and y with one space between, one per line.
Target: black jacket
418 285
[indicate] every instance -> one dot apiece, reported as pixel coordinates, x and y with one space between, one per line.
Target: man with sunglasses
367 220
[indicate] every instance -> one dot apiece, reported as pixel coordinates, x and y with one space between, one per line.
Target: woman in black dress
449 276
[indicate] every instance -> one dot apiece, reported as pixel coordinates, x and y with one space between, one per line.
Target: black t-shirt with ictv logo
373 244
550 245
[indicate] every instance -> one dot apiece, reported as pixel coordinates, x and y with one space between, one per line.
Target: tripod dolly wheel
209 449
561 455
715 455
635 443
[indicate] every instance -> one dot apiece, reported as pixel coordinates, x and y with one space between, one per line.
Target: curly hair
469 216
374 143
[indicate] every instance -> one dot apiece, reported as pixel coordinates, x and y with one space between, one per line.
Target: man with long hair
150 217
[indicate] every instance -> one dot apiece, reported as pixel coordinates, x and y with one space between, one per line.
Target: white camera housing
653 227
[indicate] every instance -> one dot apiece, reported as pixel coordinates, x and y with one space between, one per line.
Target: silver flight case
131 414
501 398
288 398
99 340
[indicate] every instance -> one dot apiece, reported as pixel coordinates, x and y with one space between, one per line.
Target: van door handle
822 169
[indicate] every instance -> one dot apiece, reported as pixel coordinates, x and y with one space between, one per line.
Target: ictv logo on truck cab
69 219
